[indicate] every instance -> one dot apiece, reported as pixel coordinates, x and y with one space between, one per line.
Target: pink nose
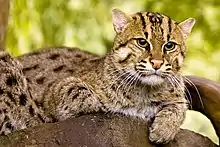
156 64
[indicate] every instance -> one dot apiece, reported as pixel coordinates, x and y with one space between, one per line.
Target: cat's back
54 60
45 66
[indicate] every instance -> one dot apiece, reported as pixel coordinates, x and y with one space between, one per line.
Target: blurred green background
87 24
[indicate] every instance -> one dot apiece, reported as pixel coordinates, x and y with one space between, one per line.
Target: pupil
142 42
169 45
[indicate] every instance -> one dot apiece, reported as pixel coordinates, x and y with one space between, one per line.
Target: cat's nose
156 64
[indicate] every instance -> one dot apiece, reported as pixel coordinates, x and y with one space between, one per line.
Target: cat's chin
152 80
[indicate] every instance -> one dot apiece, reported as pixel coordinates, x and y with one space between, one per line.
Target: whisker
135 76
123 82
138 78
177 82
118 77
190 97
197 91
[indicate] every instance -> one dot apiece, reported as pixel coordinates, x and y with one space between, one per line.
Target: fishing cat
139 77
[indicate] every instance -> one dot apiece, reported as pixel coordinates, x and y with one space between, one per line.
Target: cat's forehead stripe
155 18
157 22
143 21
169 24
169 28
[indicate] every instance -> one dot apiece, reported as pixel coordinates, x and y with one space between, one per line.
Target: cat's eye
143 43
169 46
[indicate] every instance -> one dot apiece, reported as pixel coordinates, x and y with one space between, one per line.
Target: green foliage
87 24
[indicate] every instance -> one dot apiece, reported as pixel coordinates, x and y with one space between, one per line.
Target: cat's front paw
161 134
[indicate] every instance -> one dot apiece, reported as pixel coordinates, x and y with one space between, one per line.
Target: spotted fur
139 78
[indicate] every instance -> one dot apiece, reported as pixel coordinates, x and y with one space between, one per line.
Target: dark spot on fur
82 88
70 71
183 54
28 80
3 133
31 111
8 104
23 99
134 18
30 68
6 58
80 114
11 81
40 80
168 69
54 56
167 64
1 91
50 84
83 59
75 96
40 117
11 97
113 88
78 55
178 68
143 61
53 119
9 125
128 97
57 142
171 90
143 75
4 110
38 104
92 61
66 108
6 118
58 68
70 90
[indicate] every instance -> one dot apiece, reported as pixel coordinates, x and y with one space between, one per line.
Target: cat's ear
187 26
119 19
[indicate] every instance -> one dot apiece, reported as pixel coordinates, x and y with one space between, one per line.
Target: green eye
143 43
169 46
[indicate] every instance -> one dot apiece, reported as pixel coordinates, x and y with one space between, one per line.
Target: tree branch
97 130
207 99
4 12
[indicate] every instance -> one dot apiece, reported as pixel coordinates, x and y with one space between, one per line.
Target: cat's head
149 46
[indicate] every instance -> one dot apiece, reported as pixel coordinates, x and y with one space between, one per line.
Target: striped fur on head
150 45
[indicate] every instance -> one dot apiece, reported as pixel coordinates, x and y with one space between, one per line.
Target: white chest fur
146 113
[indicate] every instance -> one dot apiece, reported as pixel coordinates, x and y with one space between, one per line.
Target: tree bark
97 130
4 13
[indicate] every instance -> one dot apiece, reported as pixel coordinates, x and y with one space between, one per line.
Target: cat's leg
167 122
69 98
17 111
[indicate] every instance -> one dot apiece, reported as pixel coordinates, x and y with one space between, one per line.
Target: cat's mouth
147 78
152 78
151 73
